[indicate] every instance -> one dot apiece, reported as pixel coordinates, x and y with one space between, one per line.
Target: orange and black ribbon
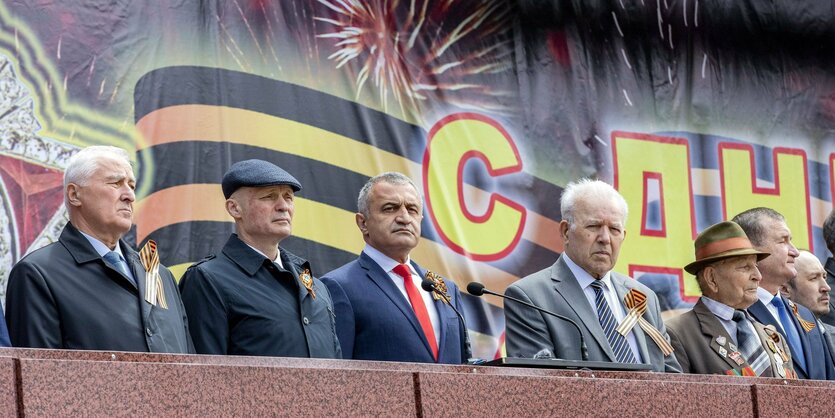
154 290
807 326
636 302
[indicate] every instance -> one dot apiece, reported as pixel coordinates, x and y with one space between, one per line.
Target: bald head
809 287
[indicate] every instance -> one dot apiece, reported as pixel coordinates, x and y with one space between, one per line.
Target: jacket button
306 321
148 331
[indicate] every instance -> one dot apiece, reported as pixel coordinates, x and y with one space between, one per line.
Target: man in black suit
87 291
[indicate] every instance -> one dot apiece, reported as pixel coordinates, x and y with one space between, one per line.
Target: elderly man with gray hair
381 311
582 287
88 290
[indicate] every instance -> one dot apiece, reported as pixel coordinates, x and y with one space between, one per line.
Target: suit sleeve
169 276
827 355
526 332
671 364
4 332
344 312
208 320
679 353
31 312
337 345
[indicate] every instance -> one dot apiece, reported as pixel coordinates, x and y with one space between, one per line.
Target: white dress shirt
388 264
585 280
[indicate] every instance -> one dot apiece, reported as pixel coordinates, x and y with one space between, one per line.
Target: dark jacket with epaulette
241 303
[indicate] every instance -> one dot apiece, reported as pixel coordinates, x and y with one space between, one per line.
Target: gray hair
829 231
586 188
750 222
84 163
391 177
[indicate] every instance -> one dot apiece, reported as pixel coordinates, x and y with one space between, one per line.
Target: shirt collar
100 247
765 296
385 262
583 277
277 254
719 309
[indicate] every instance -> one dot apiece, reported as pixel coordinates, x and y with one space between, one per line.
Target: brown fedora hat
720 241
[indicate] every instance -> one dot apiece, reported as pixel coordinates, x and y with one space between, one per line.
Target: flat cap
256 173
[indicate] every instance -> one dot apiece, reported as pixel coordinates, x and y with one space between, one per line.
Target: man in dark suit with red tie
382 313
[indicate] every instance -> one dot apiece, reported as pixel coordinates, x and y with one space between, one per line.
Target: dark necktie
750 345
120 265
418 306
790 331
623 353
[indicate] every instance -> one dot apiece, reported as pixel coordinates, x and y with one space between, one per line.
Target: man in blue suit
768 232
382 313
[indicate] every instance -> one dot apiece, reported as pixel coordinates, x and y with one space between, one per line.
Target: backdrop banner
694 110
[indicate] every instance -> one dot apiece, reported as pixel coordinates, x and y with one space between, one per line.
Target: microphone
429 286
478 289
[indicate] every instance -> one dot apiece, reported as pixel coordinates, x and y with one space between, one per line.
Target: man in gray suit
582 286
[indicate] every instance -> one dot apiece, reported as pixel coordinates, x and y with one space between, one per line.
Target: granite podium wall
96 383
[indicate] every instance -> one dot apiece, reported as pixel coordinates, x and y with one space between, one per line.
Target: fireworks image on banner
416 51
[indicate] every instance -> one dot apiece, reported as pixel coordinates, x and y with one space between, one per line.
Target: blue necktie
790 331
618 343
120 265
750 345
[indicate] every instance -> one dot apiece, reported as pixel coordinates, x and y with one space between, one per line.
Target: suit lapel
713 329
382 280
138 271
621 289
804 337
575 299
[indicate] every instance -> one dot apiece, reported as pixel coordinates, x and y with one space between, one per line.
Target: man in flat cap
718 336
256 298
88 290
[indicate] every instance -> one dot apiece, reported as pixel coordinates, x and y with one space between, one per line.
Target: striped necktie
618 343
750 345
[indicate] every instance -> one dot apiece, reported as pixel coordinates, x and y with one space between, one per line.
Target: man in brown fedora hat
718 336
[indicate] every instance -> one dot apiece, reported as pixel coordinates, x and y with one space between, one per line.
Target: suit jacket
375 321
4 332
696 334
557 290
241 303
828 332
65 295
819 363
829 318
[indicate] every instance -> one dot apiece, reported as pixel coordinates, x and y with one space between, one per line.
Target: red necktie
418 306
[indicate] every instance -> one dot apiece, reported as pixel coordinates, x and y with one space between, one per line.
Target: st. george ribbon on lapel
154 289
636 302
